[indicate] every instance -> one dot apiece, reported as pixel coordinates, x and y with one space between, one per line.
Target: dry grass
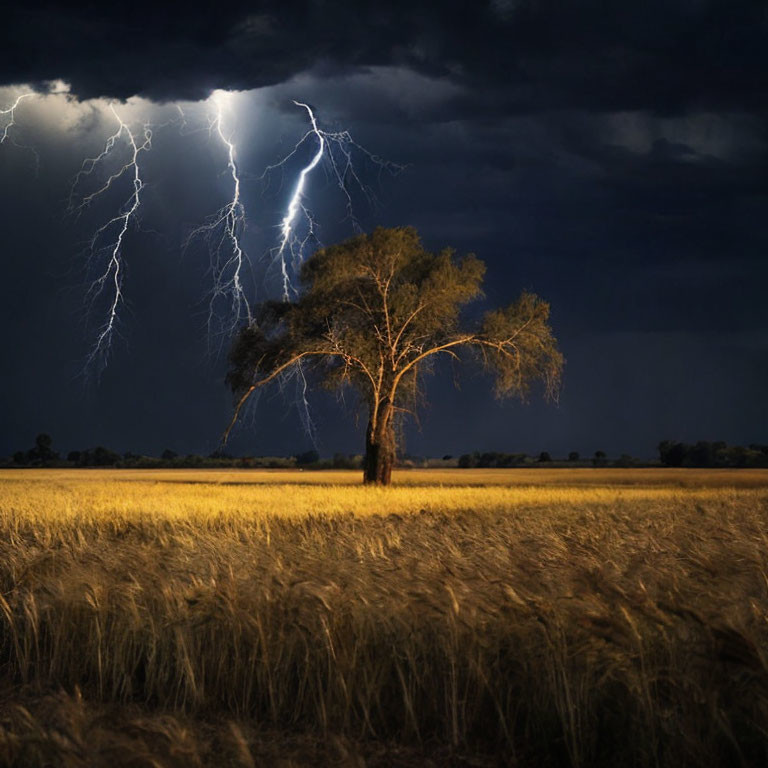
539 477
530 617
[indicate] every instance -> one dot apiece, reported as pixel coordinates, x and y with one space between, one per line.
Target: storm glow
115 176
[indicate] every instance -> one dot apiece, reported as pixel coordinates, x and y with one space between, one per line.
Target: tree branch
261 383
433 351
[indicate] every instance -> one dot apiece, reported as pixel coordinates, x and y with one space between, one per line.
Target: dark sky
610 156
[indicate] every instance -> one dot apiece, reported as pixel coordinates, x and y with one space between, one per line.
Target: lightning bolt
10 112
287 227
298 228
223 233
7 136
119 168
108 240
338 149
88 167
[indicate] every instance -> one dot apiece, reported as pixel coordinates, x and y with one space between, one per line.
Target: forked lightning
108 240
297 231
223 232
229 304
6 134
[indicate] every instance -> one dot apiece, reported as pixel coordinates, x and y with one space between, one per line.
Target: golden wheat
583 617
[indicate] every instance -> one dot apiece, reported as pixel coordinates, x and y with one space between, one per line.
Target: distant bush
410 461
492 459
40 456
346 461
100 457
308 457
712 454
444 463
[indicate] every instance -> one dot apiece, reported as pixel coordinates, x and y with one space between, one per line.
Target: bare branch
271 377
427 353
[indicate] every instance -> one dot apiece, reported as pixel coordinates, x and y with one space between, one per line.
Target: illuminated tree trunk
379 446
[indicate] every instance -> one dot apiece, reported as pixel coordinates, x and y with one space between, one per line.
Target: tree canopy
373 313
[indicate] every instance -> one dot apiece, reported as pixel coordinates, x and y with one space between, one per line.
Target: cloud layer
510 56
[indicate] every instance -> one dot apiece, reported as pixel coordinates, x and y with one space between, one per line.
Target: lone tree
374 313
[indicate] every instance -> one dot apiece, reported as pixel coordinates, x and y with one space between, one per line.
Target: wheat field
461 617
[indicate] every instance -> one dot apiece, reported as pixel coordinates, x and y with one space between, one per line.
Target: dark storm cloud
508 55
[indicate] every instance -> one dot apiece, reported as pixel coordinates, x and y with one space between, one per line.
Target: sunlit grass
600 476
582 617
57 496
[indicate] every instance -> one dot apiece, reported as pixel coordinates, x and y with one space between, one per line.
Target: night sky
610 156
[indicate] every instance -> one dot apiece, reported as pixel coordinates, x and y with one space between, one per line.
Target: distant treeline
43 455
714 454
499 460
671 454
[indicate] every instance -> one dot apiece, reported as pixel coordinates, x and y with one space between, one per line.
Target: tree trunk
379 447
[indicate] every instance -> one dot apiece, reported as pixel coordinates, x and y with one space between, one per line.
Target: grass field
462 617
